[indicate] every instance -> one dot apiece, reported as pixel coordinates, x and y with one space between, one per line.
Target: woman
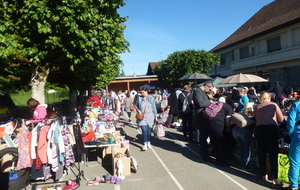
95 100
38 110
267 115
243 99
146 105
128 102
217 132
293 127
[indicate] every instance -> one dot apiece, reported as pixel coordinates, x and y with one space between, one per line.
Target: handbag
283 168
140 115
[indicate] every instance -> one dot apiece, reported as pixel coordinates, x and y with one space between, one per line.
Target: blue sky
158 28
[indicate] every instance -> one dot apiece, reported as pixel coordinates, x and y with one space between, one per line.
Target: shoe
118 181
113 179
145 148
276 183
97 180
107 178
149 145
90 182
265 178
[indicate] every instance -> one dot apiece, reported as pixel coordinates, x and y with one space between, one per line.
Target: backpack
212 110
186 108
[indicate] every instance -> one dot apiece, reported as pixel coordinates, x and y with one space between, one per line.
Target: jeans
146 133
243 139
122 110
294 156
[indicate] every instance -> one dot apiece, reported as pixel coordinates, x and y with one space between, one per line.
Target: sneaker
149 145
145 148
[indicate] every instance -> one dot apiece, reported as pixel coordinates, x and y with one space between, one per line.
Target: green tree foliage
78 41
181 63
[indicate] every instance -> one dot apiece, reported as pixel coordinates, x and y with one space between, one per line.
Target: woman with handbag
267 115
146 115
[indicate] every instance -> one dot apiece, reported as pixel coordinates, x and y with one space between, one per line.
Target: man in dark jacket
174 109
187 114
278 92
201 100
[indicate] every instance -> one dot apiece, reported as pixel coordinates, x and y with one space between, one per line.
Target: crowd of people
185 106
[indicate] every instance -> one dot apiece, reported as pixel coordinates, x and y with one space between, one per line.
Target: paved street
172 164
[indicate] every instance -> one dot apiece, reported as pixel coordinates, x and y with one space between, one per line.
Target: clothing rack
63 121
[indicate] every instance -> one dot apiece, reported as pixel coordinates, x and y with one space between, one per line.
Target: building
133 82
268 45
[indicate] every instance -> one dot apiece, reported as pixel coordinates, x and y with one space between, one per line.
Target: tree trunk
38 81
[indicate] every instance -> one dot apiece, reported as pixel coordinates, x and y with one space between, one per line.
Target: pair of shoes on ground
71 184
146 146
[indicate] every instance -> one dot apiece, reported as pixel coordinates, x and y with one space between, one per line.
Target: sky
158 28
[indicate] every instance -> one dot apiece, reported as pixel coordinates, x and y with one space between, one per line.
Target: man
278 92
201 100
187 115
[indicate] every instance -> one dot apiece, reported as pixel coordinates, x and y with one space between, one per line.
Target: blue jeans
243 139
122 110
146 133
294 156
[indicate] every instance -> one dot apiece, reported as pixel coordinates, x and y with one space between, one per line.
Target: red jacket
97 101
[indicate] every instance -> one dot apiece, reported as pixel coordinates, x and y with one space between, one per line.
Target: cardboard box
126 161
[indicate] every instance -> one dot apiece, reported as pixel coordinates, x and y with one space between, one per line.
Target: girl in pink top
38 110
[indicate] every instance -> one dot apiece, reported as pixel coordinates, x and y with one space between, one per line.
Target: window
223 59
244 52
274 44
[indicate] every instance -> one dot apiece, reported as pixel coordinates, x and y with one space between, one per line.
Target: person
128 103
217 133
201 100
146 105
186 116
267 115
293 129
38 110
121 97
95 100
252 96
243 99
173 109
278 93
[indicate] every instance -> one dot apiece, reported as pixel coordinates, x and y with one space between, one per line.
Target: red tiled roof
275 15
153 64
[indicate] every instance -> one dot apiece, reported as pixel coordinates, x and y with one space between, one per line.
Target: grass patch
20 98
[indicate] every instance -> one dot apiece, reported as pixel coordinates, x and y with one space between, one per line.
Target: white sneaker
149 145
145 147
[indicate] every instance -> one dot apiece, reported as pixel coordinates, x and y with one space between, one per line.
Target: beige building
268 45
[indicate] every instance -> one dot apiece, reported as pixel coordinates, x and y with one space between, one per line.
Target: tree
78 42
181 63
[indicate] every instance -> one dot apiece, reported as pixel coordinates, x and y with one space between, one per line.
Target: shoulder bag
140 115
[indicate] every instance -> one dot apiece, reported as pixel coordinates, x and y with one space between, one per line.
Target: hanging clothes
23 148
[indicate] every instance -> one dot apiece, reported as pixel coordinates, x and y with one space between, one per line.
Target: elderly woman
267 115
146 104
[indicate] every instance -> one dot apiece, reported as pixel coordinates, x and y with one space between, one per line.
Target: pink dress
23 149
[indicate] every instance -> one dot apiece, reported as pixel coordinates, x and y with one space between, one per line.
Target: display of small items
101 122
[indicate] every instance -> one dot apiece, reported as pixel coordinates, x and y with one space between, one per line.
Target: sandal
97 180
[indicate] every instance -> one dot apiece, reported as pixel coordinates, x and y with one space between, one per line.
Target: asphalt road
171 164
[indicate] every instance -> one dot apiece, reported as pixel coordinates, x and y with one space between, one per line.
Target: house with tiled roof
151 66
268 45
